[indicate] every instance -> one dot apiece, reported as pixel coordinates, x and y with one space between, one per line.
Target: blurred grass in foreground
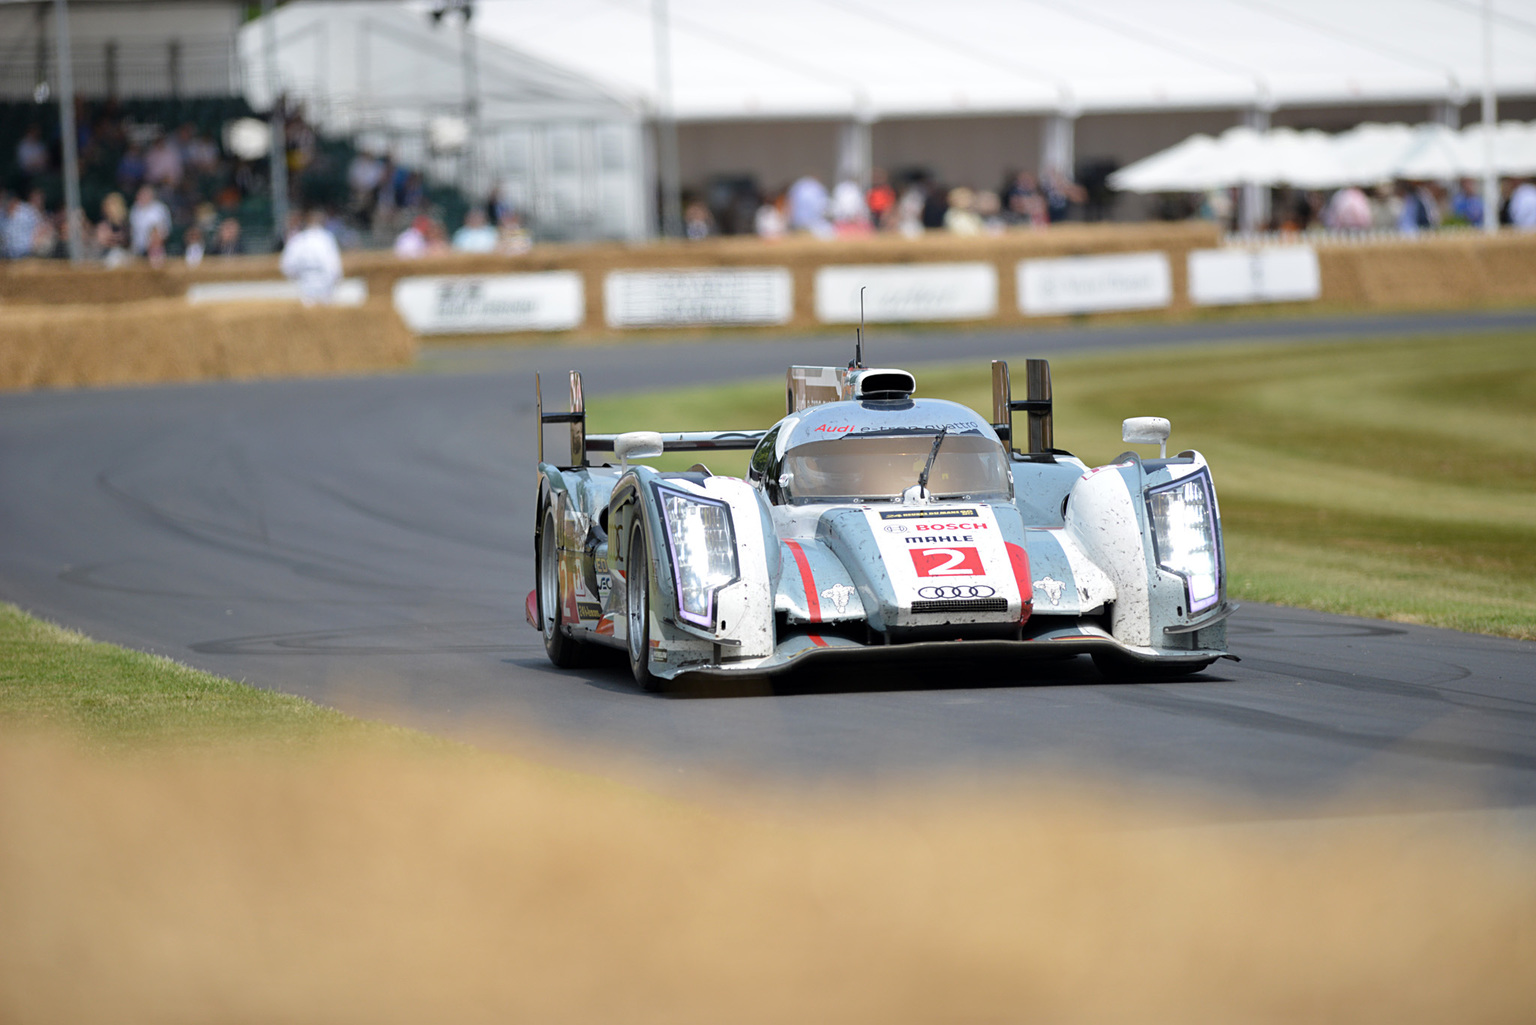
1388 478
208 878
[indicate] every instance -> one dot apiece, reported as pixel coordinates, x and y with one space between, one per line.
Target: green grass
56 679
1387 478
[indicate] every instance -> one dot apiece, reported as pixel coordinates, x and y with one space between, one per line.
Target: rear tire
637 609
565 652
1117 668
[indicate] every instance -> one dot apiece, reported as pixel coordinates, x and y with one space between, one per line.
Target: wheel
1118 668
565 652
637 609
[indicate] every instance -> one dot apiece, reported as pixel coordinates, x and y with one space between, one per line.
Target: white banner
492 303
1221 277
676 298
908 292
349 292
1086 284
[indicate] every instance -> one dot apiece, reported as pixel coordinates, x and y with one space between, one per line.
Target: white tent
566 150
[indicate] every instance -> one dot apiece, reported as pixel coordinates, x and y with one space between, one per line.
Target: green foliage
1392 478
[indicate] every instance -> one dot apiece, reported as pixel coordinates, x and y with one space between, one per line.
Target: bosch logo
956 591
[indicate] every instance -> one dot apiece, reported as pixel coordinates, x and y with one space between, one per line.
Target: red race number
947 562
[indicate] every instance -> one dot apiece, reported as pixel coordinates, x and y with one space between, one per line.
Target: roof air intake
877 385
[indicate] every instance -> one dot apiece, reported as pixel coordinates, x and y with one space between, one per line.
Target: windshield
876 467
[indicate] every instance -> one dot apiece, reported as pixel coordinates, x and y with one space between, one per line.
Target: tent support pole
279 148
666 126
1255 211
67 133
1490 124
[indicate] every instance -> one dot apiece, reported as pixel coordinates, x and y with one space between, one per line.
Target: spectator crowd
915 203
158 181
154 188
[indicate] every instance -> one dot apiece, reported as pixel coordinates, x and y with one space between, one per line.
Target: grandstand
143 71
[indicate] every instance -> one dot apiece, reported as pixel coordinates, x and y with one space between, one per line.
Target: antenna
858 337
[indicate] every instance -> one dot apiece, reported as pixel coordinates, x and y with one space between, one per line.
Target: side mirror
637 445
1147 430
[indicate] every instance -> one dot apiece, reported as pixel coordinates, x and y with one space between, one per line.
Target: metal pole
1490 125
1255 212
666 126
279 153
67 131
471 103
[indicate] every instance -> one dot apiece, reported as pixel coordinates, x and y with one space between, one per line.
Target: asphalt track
366 543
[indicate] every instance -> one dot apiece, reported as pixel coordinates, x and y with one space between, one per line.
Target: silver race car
874 524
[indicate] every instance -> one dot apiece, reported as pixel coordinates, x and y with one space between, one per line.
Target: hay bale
162 340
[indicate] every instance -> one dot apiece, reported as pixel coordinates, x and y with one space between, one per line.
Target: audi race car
877 524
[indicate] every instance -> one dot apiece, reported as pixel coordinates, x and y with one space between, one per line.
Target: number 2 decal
947 562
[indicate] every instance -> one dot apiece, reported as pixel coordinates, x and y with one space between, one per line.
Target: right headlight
702 544
1186 534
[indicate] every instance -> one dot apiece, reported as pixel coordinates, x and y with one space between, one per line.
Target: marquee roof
879 58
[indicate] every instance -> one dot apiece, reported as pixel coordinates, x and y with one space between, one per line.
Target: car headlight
702 543
1187 536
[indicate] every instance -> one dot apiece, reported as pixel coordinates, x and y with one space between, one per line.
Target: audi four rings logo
956 591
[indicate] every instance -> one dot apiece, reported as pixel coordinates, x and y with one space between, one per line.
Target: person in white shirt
849 208
312 258
476 236
147 215
1522 207
808 201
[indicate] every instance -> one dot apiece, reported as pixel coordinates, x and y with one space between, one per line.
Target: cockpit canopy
874 451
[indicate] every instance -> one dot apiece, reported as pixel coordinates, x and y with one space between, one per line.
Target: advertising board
1090 284
902 293
1225 277
349 292
491 303
681 298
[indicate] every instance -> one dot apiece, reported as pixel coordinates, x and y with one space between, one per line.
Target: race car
875 524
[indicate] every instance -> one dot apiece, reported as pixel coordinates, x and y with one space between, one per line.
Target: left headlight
702 543
1186 533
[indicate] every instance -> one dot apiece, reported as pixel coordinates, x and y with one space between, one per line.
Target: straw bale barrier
1463 270
1450 272
161 340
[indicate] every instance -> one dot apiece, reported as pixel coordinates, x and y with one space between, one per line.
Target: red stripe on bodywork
1019 559
812 602
816 640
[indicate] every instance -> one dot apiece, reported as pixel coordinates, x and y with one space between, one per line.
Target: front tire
637 609
565 652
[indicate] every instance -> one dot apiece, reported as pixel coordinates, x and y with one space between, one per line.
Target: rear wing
582 443
1039 433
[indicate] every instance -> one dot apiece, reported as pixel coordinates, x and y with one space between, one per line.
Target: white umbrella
1180 168
1304 160
1514 148
1364 155
1370 152
1438 153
